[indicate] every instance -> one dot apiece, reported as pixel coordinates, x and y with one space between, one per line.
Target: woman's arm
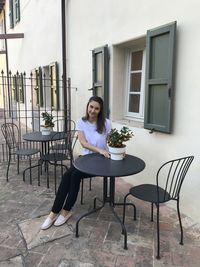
85 144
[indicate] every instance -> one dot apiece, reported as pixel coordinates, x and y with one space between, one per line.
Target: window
14 88
54 83
143 75
21 84
51 86
135 84
100 78
37 93
14 12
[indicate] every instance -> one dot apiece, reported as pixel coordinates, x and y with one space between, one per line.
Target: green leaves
116 137
48 119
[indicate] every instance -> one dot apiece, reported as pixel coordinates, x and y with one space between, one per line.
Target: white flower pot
46 130
117 153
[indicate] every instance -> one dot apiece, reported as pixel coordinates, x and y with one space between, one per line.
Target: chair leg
179 217
82 192
18 164
124 208
9 159
158 233
152 212
30 170
39 170
47 173
90 188
55 177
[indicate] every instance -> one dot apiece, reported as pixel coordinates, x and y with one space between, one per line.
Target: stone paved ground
23 208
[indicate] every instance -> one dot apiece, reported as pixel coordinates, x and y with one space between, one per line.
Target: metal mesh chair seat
148 192
169 180
60 147
27 152
55 157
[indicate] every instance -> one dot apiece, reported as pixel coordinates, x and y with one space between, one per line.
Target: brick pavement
23 207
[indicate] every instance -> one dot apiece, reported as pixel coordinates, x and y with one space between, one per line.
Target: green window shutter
17 10
54 79
100 77
39 87
11 14
14 88
21 88
159 78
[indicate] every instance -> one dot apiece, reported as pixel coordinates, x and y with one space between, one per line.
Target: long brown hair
101 118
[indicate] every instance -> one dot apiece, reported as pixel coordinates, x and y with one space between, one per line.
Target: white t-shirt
92 136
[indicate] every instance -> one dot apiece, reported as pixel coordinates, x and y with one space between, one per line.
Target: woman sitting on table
93 129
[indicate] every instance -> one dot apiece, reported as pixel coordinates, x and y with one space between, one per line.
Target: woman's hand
104 152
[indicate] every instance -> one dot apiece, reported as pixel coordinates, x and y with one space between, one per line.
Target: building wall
41 24
2 59
93 23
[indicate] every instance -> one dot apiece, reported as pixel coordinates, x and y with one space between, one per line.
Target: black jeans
68 190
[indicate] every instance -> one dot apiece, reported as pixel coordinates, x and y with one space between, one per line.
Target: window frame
127 113
14 12
104 84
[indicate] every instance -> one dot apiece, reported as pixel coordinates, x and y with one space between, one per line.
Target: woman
93 129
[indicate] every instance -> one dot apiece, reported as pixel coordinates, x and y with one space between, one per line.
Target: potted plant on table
48 123
116 140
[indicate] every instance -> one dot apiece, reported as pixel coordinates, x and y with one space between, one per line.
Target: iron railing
23 99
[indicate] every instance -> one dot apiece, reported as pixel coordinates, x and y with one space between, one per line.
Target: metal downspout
63 12
7 66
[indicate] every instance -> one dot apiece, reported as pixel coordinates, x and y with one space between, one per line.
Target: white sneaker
62 219
48 223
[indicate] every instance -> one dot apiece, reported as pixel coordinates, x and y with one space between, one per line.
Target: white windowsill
131 122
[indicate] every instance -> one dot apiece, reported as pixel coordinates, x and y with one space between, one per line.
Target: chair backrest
64 143
59 125
11 134
170 177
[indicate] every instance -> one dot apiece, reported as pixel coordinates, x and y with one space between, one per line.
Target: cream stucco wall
93 23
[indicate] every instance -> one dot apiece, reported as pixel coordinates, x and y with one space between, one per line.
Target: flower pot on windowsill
46 130
117 153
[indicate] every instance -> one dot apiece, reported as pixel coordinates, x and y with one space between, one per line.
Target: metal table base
108 197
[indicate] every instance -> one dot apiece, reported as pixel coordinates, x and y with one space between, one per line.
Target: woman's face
93 110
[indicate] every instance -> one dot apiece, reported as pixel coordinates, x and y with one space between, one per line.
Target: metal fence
23 99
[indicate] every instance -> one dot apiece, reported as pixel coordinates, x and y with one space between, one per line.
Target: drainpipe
64 59
7 66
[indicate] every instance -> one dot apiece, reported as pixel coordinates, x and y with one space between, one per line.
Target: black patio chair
59 126
11 134
169 180
61 150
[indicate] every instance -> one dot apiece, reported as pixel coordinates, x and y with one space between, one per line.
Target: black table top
97 165
38 137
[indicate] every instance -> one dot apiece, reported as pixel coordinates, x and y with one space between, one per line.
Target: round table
44 139
97 165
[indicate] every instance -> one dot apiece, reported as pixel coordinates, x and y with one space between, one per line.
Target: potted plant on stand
116 140
48 123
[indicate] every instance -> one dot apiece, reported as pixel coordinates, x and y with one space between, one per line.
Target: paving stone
13 262
37 236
